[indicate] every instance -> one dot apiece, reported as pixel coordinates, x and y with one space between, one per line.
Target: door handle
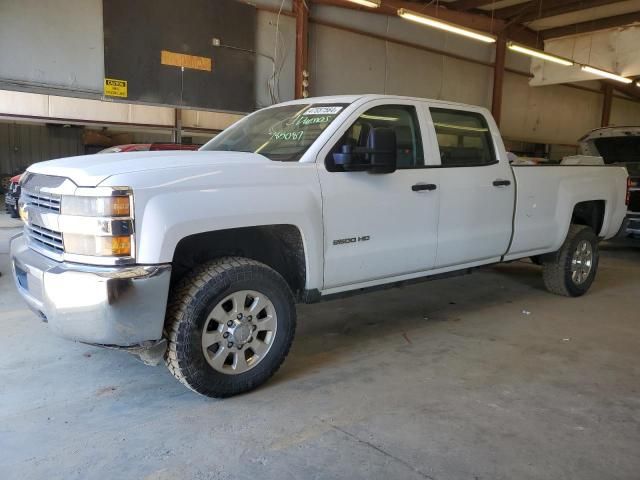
501 183
420 187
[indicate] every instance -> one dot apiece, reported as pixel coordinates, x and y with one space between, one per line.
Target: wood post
607 100
302 45
177 121
498 77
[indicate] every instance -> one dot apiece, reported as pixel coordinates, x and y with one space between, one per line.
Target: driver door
379 225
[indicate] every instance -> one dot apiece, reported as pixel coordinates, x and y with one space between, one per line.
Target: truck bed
545 199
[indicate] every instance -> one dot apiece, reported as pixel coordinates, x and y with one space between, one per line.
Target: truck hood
91 170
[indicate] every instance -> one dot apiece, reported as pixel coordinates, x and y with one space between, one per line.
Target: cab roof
373 96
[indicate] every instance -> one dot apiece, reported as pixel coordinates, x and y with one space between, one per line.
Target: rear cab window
464 138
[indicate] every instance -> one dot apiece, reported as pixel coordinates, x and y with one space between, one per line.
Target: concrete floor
485 376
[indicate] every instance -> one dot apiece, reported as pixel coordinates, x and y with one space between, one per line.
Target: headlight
96 206
98 222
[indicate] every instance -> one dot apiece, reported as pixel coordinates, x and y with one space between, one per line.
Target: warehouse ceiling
535 23
553 18
527 21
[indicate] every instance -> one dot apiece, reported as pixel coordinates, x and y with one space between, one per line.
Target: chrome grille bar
37 198
45 238
46 202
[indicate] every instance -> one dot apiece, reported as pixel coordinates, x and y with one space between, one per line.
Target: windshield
280 133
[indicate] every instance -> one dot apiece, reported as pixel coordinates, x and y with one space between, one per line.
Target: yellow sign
187 61
115 88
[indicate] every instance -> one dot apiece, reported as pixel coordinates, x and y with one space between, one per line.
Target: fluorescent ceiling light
379 117
460 127
449 27
367 3
539 54
605 74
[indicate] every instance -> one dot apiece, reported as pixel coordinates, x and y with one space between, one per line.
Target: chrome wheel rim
581 262
239 332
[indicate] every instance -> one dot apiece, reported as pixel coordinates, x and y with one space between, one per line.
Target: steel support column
607 100
301 13
498 77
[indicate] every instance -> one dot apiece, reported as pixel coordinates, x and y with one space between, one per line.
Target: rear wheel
230 325
571 270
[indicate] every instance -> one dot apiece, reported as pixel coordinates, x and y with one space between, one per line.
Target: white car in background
620 146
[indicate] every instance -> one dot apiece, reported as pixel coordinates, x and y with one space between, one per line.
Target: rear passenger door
476 189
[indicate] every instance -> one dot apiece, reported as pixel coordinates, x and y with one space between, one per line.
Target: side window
402 119
464 138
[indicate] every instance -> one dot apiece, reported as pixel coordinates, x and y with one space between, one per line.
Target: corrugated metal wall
57 44
343 61
22 145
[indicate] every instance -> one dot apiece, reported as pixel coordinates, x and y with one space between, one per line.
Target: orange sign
187 61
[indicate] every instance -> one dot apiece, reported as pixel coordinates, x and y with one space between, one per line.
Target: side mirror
383 147
378 157
350 159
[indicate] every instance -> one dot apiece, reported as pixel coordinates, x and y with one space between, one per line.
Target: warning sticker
115 88
323 111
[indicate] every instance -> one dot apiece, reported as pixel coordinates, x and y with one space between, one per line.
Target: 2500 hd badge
343 241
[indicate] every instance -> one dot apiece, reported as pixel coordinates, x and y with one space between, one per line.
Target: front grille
42 200
43 237
42 208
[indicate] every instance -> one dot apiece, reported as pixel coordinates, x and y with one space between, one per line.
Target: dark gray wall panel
22 144
55 43
136 32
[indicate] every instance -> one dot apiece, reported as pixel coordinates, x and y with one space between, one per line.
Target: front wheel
572 269
230 324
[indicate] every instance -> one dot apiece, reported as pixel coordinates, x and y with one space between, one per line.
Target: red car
146 147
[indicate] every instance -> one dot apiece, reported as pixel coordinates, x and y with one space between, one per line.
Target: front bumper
117 306
10 200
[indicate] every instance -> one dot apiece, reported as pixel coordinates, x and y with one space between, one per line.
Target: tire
207 298
559 270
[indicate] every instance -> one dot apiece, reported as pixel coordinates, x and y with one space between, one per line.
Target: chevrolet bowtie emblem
24 214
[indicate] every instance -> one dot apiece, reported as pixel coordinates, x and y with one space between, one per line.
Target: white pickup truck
200 257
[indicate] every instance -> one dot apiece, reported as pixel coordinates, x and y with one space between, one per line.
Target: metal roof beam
475 21
464 5
530 11
592 25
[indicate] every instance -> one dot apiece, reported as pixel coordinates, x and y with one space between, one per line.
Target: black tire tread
183 295
554 272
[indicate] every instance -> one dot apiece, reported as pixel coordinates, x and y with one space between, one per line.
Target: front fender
166 211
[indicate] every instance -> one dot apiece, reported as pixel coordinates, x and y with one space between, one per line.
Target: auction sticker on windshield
323 111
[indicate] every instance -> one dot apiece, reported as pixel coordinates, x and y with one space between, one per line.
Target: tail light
631 183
